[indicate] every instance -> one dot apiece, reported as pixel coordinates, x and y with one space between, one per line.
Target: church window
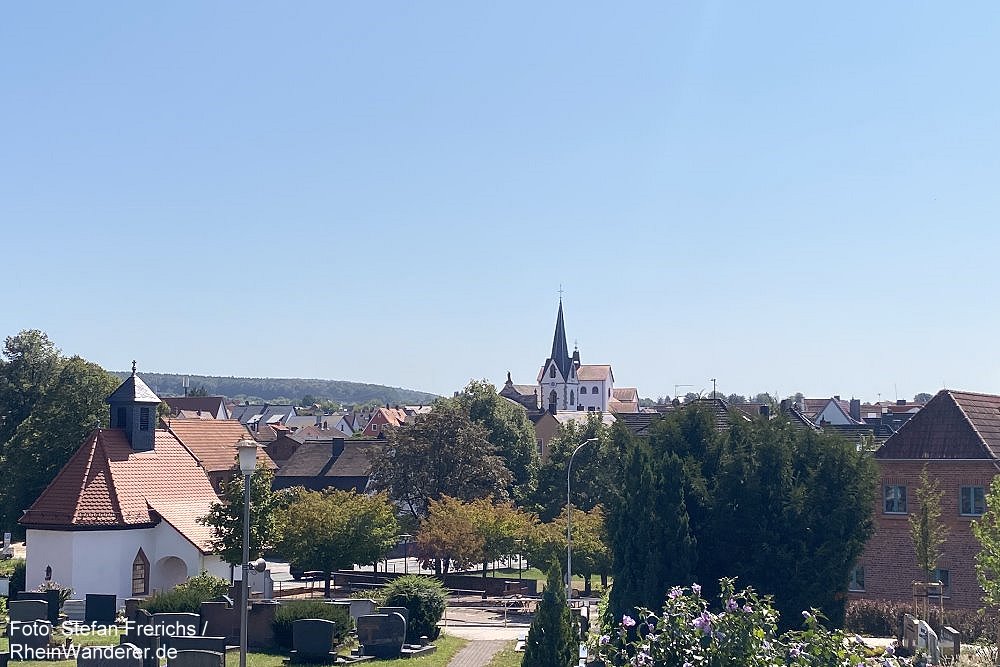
572 398
583 390
553 397
140 574
596 391
552 371
609 392
143 419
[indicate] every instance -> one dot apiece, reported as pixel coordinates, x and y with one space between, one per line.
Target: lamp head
247 451
258 565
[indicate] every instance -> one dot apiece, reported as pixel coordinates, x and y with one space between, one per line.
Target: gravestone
927 640
358 607
142 637
382 635
178 624
197 658
123 655
219 619
101 609
951 642
909 632
402 611
313 641
210 644
26 611
75 610
4 658
51 598
4 587
26 637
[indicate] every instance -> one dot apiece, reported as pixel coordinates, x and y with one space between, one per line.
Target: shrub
424 597
17 572
64 591
294 610
883 618
186 597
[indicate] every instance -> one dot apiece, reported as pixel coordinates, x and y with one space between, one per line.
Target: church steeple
560 350
133 409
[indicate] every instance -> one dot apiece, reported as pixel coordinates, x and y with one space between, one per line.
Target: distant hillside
290 389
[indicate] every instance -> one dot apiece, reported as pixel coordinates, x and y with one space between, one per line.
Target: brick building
957 436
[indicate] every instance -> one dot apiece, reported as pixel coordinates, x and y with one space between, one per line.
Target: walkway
477 653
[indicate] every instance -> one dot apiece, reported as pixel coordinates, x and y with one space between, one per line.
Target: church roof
106 485
560 350
593 372
133 390
213 441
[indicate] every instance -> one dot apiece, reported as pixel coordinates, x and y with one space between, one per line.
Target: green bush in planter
294 610
424 597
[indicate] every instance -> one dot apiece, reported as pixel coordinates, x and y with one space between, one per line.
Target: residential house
120 518
382 419
207 405
547 426
337 463
956 438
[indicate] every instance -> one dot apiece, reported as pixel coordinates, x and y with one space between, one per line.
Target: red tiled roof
213 442
953 425
107 485
591 372
625 394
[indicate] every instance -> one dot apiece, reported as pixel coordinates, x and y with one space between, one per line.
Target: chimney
836 397
856 409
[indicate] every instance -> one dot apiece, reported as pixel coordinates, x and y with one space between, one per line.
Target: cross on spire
133 367
560 291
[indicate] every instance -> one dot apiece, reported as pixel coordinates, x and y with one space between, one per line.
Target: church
565 384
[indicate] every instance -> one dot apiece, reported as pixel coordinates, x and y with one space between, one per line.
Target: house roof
133 390
210 404
193 414
592 372
213 441
348 468
581 416
625 394
952 425
107 485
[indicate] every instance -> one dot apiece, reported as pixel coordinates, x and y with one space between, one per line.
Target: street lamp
247 450
569 522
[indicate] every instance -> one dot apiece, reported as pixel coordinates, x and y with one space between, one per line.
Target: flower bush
743 631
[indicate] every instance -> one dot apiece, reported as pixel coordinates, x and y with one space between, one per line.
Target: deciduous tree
330 530
927 531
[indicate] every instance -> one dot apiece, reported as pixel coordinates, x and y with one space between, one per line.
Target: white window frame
885 499
971 489
857 584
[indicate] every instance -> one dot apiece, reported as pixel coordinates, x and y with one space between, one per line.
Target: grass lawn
447 647
506 657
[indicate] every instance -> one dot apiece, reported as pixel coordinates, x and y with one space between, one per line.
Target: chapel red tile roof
592 372
213 442
953 425
106 485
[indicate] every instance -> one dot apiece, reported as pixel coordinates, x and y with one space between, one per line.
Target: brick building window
894 499
973 501
944 576
857 582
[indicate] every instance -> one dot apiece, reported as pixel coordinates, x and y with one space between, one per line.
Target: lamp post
247 450
569 523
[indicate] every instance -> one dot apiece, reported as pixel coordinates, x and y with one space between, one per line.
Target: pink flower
627 621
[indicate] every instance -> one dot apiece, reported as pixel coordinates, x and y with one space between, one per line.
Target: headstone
219 619
909 634
402 611
101 609
382 635
75 610
27 637
142 637
313 640
197 658
260 624
8 550
123 655
178 624
358 607
261 582
26 611
50 597
4 658
951 642
4 587
211 644
927 640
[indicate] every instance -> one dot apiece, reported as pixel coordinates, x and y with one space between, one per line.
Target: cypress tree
551 642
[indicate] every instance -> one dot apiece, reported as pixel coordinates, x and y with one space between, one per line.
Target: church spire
560 351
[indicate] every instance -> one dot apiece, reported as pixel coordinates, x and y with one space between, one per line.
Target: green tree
987 532
441 453
448 537
591 554
500 526
29 366
652 547
509 431
927 531
226 517
200 390
550 641
331 530
70 404
922 398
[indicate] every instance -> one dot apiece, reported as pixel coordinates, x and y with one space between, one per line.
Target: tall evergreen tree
550 640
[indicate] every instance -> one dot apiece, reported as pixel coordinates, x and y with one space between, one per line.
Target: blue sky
784 196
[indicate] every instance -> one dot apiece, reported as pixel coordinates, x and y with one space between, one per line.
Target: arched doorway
168 572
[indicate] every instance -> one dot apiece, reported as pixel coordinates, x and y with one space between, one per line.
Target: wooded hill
291 389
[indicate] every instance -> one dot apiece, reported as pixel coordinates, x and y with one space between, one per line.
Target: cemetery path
477 653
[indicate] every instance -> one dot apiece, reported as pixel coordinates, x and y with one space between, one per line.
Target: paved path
477 653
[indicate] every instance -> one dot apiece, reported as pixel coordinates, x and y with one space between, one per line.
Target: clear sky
781 195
